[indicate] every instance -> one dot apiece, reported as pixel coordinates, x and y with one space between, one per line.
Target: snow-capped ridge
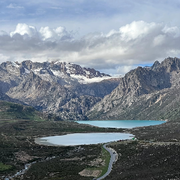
65 73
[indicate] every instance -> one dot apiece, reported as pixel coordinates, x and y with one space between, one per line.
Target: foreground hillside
155 155
148 93
20 125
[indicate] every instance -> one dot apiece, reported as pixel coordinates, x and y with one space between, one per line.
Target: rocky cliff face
143 93
68 90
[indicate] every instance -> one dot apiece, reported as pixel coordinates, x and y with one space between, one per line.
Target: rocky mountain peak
77 70
155 65
136 88
171 64
57 71
60 72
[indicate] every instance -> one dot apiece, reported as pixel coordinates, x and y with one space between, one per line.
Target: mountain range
73 92
149 93
65 89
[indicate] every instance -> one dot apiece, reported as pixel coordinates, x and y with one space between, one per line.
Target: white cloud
136 43
59 33
136 29
46 33
3 33
24 29
172 31
14 6
124 69
57 8
159 40
3 58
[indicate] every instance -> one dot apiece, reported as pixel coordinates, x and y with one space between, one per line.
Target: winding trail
113 158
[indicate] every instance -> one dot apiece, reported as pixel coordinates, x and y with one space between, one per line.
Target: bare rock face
60 88
77 107
143 93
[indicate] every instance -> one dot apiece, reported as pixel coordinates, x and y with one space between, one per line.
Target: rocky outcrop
97 89
143 93
77 107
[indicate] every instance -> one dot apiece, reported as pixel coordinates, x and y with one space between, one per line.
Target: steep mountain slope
98 89
68 90
144 93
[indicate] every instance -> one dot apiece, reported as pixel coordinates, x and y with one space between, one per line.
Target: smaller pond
121 123
83 139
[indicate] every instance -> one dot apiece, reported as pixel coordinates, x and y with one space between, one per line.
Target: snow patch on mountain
15 64
58 73
84 80
64 73
26 71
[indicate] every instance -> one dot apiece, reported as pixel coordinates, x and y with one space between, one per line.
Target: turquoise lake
121 123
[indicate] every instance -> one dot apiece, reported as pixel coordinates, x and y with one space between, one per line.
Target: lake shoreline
45 142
